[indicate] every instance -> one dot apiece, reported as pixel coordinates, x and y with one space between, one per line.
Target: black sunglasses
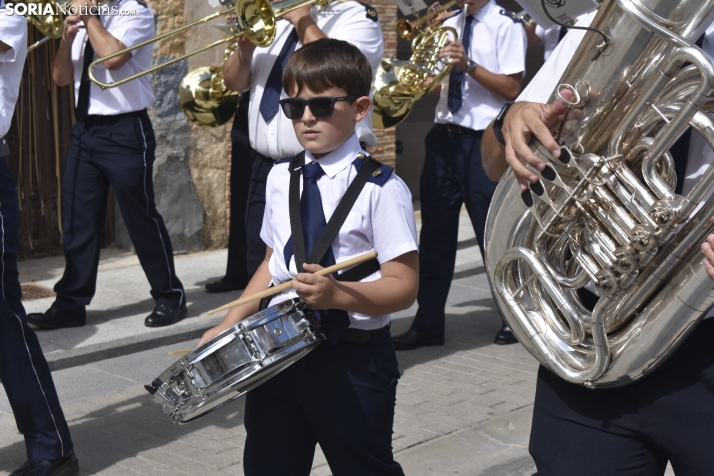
321 107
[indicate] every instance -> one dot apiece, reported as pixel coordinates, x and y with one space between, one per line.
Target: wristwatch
470 66
498 123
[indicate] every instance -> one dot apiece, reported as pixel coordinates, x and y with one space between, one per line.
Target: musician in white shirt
638 428
489 62
271 134
112 143
23 368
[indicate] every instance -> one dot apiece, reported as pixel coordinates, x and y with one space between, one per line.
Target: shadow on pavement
468 331
120 431
132 314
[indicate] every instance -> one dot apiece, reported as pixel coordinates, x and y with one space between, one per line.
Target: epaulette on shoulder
511 15
142 4
371 12
379 176
286 160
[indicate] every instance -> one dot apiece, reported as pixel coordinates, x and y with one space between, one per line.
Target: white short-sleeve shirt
13 32
131 23
541 87
549 38
349 21
382 220
498 44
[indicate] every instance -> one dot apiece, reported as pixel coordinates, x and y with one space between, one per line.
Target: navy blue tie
333 321
82 109
457 75
270 104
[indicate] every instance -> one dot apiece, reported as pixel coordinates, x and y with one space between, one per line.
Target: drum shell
237 360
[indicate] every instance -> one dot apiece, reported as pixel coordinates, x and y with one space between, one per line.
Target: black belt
461 130
95 120
361 335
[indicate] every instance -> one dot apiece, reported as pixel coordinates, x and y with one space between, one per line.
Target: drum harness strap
356 273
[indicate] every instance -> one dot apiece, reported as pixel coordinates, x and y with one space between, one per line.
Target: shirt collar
485 10
339 159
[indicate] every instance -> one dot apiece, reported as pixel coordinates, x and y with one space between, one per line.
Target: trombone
255 20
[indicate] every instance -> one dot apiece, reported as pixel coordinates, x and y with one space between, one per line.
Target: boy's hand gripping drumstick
287 285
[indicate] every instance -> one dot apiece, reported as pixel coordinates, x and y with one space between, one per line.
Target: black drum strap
336 220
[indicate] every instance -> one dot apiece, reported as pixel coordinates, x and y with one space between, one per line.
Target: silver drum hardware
237 360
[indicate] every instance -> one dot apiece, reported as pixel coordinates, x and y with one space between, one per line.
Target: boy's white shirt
381 219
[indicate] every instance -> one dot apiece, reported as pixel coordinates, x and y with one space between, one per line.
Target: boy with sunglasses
342 394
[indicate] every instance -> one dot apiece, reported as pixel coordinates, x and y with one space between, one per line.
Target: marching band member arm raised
112 144
637 428
489 62
260 69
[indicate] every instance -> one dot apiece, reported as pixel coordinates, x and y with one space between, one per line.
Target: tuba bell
605 215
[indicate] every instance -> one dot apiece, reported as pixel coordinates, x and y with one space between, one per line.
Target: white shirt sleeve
364 33
13 32
132 29
391 219
511 51
544 83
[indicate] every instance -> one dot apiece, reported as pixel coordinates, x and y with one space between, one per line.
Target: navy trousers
452 176
23 369
631 430
242 158
341 397
120 154
256 208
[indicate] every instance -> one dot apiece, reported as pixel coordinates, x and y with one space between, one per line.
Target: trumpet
255 20
406 28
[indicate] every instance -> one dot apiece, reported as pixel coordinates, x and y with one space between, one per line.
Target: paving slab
115 318
462 408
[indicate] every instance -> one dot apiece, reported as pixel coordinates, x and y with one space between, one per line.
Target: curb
127 345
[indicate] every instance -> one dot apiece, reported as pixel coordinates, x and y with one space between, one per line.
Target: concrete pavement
464 408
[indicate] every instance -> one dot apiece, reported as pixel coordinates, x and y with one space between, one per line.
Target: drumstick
287 285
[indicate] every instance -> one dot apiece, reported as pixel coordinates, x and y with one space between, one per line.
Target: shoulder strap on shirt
294 208
336 220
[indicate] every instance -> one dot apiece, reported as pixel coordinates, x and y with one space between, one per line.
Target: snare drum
237 360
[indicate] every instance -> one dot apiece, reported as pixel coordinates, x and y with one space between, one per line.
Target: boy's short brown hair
327 63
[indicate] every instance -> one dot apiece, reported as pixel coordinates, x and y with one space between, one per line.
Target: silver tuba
605 213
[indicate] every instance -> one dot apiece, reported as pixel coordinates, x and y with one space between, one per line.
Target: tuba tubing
633 101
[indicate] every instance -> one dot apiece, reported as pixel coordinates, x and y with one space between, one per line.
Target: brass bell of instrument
204 98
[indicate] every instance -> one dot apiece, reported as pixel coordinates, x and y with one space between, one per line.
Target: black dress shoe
412 339
505 336
65 466
165 315
223 286
55 318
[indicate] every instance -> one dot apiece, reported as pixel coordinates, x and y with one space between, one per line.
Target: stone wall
192 168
